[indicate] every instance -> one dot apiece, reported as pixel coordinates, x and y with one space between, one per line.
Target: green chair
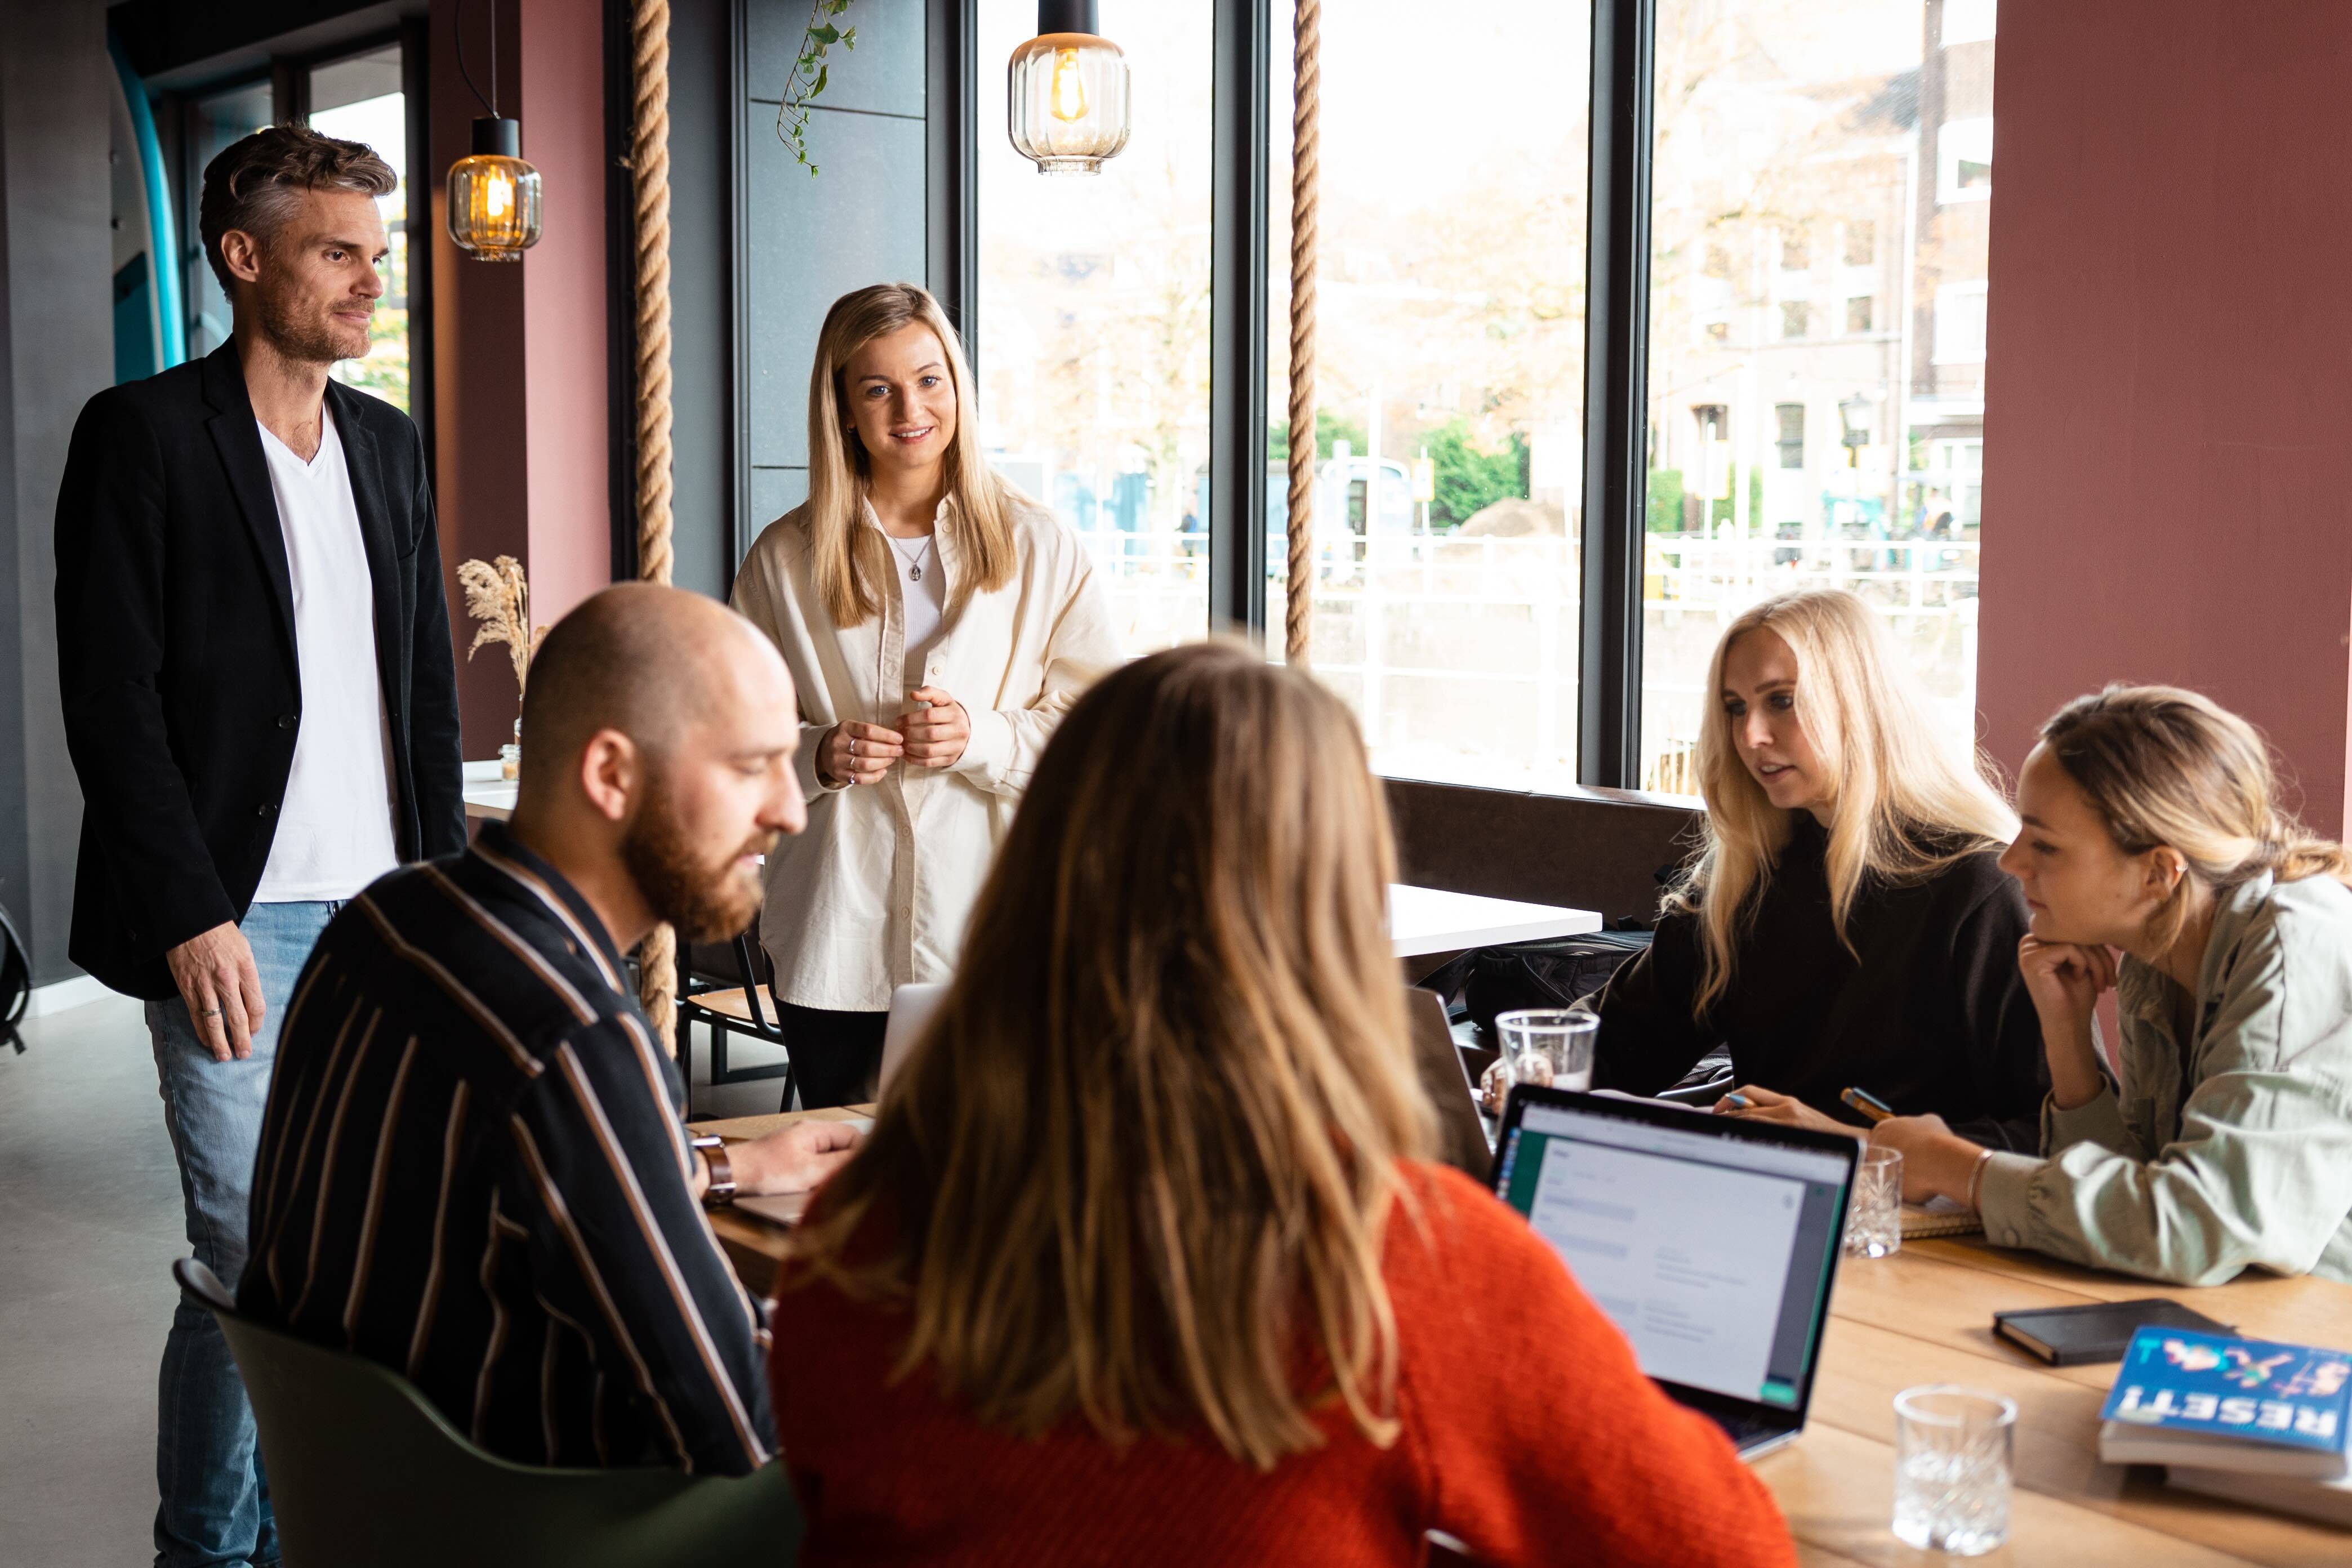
364 1474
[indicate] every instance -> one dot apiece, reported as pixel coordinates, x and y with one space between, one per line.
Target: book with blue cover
2188 1398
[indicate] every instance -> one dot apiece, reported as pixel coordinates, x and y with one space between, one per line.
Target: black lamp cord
487 103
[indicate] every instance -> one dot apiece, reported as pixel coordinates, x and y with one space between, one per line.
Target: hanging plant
808 76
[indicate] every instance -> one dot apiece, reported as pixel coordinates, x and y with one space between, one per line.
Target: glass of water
1953 1468
1546 1046
1874 1224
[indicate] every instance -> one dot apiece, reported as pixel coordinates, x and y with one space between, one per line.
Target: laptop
1461 1141
1709 1241
911 1008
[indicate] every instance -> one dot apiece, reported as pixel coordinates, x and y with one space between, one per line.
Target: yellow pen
1869 1104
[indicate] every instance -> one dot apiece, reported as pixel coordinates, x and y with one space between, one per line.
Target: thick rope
649 167
1306 75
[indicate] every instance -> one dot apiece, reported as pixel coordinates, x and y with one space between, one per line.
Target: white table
1421 921
1428 919
487 794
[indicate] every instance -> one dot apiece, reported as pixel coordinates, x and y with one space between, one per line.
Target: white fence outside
1460 655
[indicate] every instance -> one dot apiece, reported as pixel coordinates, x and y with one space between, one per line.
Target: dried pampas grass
497 596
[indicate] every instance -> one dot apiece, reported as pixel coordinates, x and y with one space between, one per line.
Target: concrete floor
89 1223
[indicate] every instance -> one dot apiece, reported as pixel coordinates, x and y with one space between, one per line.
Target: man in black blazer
260 700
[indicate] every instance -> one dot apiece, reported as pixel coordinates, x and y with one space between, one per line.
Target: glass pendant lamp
494 194
1068 93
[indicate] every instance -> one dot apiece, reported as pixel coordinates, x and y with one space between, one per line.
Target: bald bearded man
473 1168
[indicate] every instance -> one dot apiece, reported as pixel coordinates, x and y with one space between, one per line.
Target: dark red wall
519 347
2168 414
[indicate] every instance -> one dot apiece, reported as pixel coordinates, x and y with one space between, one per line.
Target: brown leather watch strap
721 1190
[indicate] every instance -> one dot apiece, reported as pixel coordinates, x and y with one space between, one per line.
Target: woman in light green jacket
2150 824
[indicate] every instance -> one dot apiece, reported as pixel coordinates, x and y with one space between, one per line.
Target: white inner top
926 595
334 832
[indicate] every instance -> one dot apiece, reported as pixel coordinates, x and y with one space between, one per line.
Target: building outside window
1964 161
1791 416
1450 375
1960 323
1799 163
1094 320
1866 123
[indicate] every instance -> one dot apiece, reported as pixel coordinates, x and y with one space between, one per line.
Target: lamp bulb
1069 90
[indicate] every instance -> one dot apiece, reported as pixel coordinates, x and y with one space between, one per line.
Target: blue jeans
215 1511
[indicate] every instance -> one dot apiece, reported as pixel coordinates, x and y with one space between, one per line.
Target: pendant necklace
914 567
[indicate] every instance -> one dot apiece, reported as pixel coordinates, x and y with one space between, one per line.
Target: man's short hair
256 183
641 659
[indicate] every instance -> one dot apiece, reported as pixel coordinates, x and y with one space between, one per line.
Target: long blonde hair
848 557
1906 806
1146 1157
2166 766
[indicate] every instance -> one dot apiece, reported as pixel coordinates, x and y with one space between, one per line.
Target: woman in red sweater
1142 1264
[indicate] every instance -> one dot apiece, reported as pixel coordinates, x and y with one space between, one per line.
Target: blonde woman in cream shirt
938 624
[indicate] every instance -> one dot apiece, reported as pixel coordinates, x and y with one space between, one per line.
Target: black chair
729 1005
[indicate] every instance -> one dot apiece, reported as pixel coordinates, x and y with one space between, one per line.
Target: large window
1449 379
1785 354
1869 120
360 100
1094 320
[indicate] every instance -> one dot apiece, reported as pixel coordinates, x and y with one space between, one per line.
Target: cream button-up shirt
875 893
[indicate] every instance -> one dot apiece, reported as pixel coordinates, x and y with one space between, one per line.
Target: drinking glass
1952 1468
1546 1046
1874 1224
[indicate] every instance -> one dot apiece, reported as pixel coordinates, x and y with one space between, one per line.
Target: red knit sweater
1529 1432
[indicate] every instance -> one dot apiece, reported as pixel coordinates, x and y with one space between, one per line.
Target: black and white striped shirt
473 1171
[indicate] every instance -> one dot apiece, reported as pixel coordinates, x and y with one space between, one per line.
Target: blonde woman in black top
1846 922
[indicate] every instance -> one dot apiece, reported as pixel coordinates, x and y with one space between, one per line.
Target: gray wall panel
810 241
882 75
57 348
774 492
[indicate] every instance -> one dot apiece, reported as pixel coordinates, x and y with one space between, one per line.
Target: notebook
1939 1216
2081 1336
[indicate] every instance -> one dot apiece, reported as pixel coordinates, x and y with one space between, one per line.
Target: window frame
1617 266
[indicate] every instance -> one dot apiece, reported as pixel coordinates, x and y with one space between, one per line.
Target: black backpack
1486 981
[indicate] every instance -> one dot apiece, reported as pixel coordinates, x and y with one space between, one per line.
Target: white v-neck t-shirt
334 831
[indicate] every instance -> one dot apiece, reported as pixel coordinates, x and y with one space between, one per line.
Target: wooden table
1926 1316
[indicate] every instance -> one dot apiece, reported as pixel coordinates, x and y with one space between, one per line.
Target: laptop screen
1710 1249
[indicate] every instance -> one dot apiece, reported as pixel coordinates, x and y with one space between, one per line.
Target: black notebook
2079 1336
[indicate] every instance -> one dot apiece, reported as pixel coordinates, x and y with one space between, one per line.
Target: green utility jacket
2232 1152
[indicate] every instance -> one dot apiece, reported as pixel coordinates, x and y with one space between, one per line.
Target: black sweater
1933 1015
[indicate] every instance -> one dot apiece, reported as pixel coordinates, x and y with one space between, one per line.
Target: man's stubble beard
295 330
704 904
